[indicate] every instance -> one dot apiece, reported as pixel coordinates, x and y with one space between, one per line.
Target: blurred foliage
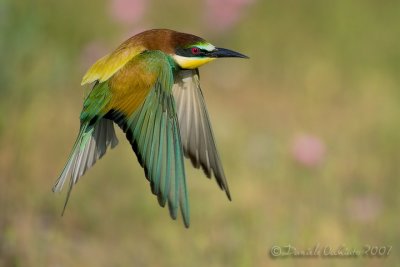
329 69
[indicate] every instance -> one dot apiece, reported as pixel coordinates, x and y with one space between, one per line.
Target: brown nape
162 39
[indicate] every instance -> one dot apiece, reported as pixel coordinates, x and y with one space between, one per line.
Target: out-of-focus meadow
308 130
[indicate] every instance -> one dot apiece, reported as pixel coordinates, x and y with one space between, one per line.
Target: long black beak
223 52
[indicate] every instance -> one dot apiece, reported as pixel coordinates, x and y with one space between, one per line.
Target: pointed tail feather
91 145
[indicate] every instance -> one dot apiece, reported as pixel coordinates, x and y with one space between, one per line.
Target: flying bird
149 86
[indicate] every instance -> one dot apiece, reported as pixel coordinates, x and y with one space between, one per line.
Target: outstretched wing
152 128
197 136
96 135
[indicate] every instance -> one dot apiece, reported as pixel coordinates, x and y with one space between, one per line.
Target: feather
195 128
108 65
91 145
153 132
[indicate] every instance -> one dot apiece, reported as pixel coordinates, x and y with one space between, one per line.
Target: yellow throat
191 62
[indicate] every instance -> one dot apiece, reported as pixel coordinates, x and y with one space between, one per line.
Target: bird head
197 54
187 50
191 52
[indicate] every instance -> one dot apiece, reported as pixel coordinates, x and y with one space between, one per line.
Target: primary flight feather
149 86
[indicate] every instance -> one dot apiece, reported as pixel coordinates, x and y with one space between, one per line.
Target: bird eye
195 50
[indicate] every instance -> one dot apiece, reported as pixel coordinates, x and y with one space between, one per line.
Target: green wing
96 135
153 132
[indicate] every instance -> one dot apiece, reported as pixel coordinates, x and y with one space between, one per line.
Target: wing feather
195 128
153 131
89 147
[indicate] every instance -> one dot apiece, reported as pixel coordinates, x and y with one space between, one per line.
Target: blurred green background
308 131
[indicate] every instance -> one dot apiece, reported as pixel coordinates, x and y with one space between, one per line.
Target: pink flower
308 150
223 14
127 11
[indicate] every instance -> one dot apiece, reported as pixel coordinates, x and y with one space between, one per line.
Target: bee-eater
150 87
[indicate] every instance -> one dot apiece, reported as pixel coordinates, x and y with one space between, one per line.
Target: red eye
195 50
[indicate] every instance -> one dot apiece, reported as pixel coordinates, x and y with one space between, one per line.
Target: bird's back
158 39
